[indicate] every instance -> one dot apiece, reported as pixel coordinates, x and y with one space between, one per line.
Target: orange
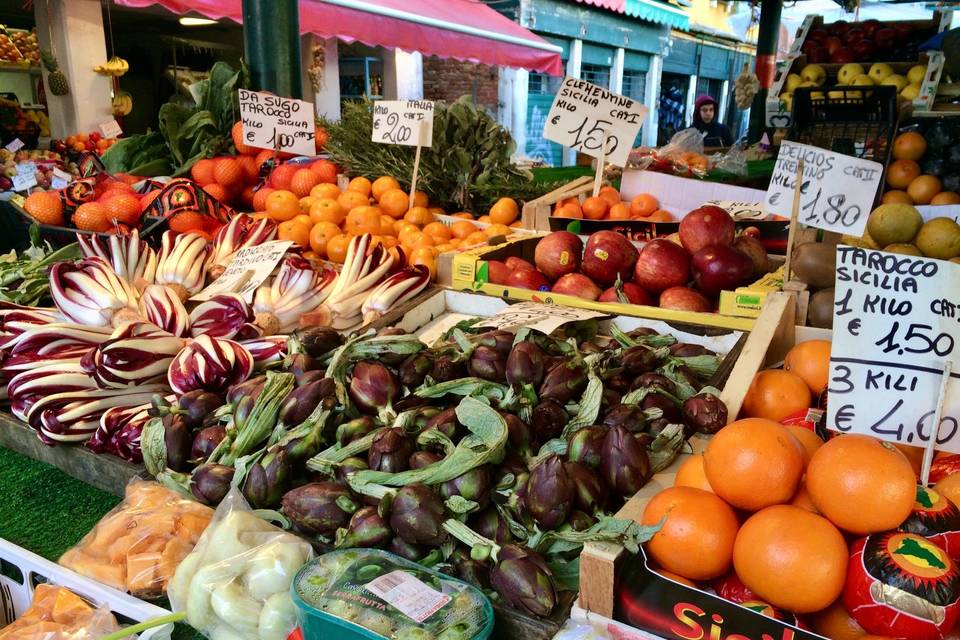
46 207
611 195
475 238
462 214
497 230
754 463
91 216
950 487
325 190
423 252
669 575
909 146
643 205
438 231
228 173
568 211
361 220
186 222
419 216
863 485
303 181
791 558
804 501
462 228
437 211
402 225
202 171
408 237
303 218
294 230
691 474
236 132
282 176
260 198
775 394
360 184
913 454
485 219
923 189
282 205
216 191
383 184
351 199
594 208
946 197
320 234
421 199
896 196
337 248
698 533
249 167
305 203
124 207
808 439
423 241
262 156
326 171
394 202
660 215
811 361
443 248
901 173
386 225
504 211
429 263
619 211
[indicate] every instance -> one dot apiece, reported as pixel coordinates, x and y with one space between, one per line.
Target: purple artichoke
524 581
624 463
373 386
550 493
417 515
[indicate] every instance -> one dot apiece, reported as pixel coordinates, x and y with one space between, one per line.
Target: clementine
610 194
811 361
383 184
691 474
325 190
419 216
462 228
438 231
282 205
361 220
504 211
360 184
643 205
594 208
294 230
320 235
351 199
394 202
834 622
775 394
619 211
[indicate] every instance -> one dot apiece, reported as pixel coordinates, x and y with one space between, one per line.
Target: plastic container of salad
368 594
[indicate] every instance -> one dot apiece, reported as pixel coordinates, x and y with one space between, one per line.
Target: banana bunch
115 67
122 103
745 88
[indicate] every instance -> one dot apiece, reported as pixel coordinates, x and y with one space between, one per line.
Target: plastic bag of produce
56 613
235 585
368 593
137 546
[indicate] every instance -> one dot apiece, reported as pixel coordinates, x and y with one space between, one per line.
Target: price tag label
741 210
272 122
111 129
14 145
412 597
896 321
407 122
541 317
27 168
23 181
247 270
585 117
836 191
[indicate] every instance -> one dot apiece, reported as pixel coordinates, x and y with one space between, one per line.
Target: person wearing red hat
716 134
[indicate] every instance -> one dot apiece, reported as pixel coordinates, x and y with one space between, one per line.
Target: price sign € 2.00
594 121
896 325
407 122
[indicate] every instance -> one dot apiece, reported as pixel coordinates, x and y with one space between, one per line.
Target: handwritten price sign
272 122
407 122
896 321
594 121
836 191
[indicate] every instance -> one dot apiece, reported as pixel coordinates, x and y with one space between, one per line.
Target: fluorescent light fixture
196 22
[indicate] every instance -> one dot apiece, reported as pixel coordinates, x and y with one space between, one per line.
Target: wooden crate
536 213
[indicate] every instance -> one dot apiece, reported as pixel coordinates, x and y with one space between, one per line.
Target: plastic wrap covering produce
236 582
56 613
368 593
138 546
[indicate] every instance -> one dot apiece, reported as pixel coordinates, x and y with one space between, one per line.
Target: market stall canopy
460 29
650 10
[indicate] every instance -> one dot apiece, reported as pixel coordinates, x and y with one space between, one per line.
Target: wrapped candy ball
936 518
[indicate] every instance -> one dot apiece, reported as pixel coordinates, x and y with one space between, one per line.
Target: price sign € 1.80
594 121
406 122
836 191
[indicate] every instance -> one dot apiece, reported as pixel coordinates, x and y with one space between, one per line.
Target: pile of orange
905 181
324 220
607 205
776 505
115 207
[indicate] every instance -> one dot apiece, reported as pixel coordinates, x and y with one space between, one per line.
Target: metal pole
271 41
766 65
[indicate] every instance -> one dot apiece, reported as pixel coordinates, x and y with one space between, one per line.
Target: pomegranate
516 264
634 294
528 279
719 267
497 272
558 254
607 256
576 284
662 264
754 250
684 299
705 226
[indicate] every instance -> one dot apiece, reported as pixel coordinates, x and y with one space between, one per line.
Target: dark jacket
717 133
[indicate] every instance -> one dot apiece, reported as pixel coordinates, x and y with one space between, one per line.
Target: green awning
660 12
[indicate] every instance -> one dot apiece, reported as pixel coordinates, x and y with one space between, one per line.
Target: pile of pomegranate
686 272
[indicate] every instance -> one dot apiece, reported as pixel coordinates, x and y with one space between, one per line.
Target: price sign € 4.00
896 324
594 121
406 122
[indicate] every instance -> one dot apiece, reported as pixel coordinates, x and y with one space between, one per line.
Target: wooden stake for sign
416 165
935 429
598 179
794 214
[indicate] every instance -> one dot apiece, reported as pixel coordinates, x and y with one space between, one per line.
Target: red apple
885 38
854 35
705 226
754 250
832 44
720 267
843 55
869 27
629 293
684 299
576 284
817 35
662 264
840 28
607 256
558 254
528 279
497 272
864 50
518 264
817 54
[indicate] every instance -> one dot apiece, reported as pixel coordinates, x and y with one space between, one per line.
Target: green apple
895 80
916 73
814 73
879 71
848 72
910 92
793 81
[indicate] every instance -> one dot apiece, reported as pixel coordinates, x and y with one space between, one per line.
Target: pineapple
55 78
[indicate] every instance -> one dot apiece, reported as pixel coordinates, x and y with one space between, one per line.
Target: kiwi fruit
820 309
815 263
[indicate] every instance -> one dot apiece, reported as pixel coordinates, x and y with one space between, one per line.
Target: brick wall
447 79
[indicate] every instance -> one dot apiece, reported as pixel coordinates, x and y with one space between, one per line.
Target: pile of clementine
325 219
774 506
607 205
